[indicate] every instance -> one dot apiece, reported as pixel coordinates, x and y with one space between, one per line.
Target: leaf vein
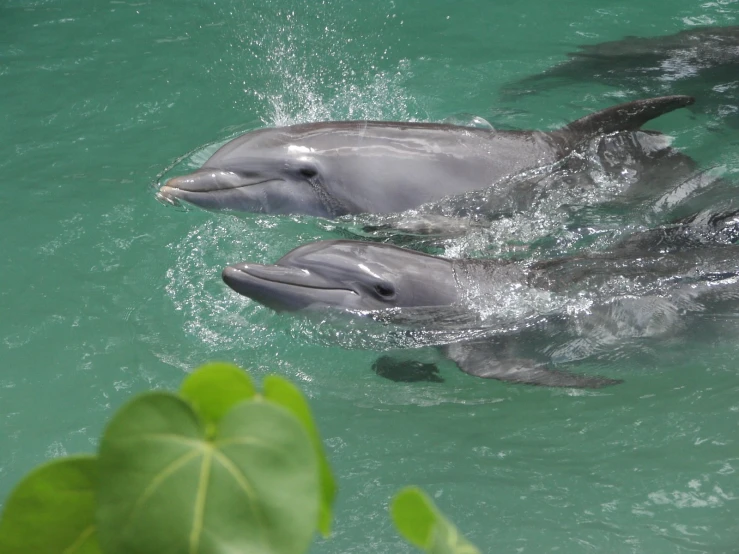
84 535
250 493
198 515
169 437
158 480
248 441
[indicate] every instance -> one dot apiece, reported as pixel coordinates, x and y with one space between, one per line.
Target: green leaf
215 388
166 489
284 393
52 510
421 523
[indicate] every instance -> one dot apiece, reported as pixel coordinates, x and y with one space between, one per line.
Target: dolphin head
349 275
265 171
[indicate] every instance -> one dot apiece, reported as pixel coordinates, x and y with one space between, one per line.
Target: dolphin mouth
243 275
206 181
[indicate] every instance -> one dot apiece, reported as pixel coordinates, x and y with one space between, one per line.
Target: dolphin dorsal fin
626 117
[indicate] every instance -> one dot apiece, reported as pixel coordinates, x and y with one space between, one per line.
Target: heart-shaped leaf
166 489
52 510
283 392
421 523
213 389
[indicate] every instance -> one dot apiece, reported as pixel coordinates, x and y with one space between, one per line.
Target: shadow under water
701 62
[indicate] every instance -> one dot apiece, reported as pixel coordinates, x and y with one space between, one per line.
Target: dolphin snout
206 181
167 195
231 275
205 187
183 187
247 274
286 288
279 275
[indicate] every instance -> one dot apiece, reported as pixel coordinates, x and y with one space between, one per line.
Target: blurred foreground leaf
283 392
167 489
421 523
52 510
215 388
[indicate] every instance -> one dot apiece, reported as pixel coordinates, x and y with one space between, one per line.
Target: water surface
106 292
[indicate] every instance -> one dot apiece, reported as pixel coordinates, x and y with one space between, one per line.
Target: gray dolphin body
349 167
641 294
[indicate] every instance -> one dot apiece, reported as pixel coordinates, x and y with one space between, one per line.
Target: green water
105 292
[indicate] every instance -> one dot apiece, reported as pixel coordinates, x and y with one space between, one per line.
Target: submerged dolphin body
349 167
702 61
629 293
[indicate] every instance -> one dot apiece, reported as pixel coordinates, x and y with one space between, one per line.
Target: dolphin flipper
478 359
626 117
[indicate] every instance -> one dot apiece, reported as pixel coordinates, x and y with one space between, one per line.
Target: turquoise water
106 292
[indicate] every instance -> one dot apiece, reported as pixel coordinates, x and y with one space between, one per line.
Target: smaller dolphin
642 292
338 168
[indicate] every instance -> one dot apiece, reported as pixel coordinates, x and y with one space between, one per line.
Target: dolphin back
625 117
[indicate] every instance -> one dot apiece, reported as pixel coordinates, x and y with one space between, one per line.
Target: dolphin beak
186 187
279 275
210 187
208 180
201 181
281 287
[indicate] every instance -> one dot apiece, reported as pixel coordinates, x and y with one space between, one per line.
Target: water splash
352 80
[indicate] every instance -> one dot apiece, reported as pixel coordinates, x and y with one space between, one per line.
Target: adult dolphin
625 294
349 167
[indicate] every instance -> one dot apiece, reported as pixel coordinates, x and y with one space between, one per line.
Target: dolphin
332 169
630 293
701 60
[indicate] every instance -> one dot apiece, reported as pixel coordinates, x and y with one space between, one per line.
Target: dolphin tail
478 359
626 117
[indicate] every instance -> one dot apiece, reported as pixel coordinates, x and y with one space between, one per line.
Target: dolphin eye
385 289
308 172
